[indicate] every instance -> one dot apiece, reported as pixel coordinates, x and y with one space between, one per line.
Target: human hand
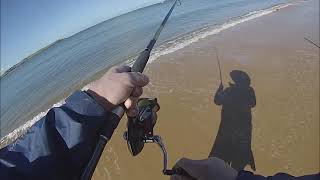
118 86
207 169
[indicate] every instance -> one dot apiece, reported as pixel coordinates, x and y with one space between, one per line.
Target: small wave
165 48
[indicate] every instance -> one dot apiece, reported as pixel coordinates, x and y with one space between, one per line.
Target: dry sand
284 72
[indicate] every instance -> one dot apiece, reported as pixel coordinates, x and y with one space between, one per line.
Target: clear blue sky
29 25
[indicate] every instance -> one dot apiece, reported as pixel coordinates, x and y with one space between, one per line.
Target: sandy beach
284 72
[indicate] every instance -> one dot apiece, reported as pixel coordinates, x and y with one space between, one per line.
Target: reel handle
178 170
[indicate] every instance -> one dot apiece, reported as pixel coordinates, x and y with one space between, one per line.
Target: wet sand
284 72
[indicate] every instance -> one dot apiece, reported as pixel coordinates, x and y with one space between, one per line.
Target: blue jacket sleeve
60 144
246 175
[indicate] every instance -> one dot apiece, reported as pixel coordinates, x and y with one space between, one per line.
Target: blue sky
29 25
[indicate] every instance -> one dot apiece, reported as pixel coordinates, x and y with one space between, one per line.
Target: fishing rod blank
143 58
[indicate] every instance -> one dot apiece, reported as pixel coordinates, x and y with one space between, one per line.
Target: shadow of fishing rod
218 60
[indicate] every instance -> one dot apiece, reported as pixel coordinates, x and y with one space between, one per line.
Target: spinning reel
140 131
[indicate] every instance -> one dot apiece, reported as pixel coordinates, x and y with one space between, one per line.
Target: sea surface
43 80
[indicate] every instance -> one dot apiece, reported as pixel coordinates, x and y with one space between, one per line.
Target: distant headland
29 57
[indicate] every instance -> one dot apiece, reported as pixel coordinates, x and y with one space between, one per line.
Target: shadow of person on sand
233 141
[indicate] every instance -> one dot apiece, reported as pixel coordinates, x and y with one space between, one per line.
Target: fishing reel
140 131
140 128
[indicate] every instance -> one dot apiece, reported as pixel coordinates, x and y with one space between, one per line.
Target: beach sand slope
284 72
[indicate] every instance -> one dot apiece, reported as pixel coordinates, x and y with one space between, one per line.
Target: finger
134 79
131 105
195 168
120 69
131 102
133 112
137 92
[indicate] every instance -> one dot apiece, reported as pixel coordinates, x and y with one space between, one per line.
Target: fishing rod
140 128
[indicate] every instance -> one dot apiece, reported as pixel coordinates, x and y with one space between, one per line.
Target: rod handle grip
141 62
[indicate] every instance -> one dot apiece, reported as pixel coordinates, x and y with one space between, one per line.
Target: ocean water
46 78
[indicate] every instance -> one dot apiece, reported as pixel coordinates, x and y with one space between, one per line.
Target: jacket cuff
81 103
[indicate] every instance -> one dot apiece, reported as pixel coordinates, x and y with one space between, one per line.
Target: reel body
140 128
140 131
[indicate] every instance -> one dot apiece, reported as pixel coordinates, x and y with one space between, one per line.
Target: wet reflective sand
284 73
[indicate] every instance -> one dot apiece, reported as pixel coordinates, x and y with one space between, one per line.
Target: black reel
140 131
140 128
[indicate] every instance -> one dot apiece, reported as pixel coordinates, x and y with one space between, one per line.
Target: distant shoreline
29 57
